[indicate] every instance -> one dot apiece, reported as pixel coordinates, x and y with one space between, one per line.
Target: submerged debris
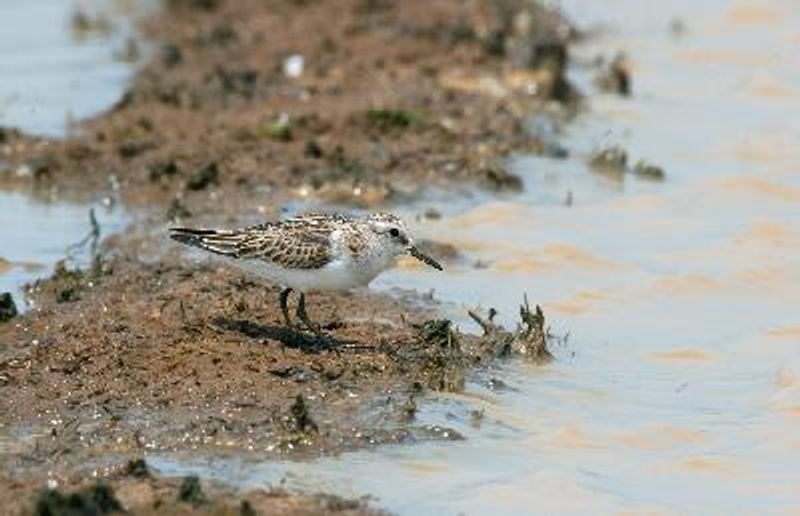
611 159
8 309
529 338
92 238
407 412
645 170
532 36
616 77
83 25
532 336
498 179
614 161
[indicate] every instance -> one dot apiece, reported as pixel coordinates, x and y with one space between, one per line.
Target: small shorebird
314 251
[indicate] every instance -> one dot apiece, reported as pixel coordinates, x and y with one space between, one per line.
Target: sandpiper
312 252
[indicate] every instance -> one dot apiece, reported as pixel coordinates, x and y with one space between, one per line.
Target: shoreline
378 104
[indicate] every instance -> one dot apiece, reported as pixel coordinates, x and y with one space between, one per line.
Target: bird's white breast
340 274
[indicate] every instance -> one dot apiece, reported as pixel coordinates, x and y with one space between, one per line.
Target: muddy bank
355 102
133 489
129 358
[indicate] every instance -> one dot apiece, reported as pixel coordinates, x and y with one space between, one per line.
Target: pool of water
38 233
679 388
60 61
65 60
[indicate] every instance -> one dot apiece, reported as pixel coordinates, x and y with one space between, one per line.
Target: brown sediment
132 489
375 110
142 352
129 358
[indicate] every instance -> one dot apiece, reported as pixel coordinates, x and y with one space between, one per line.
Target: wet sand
144 351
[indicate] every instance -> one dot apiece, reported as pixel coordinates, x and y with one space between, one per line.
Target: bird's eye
394 232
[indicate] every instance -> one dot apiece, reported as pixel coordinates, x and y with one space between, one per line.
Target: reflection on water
679 386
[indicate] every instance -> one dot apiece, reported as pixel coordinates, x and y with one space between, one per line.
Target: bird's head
393 232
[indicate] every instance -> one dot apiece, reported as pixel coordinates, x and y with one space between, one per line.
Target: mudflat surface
354 102
144 351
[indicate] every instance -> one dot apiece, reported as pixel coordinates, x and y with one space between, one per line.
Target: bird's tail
219 241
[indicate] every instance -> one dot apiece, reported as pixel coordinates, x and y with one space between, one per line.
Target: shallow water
55 70
38 233
51 74
679 387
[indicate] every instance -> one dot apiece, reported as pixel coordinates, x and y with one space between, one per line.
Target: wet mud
133 489
246 106
128 358
353 102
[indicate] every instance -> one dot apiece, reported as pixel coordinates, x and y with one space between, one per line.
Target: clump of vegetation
346 167
438 348
279 129
304 423
531 333
611 159
84 25
98 499
191 491
161 170
616 77
177 211
137 468
614 160
385 119
8 309
529 339
204 177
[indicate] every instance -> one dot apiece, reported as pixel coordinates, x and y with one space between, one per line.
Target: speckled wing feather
298 243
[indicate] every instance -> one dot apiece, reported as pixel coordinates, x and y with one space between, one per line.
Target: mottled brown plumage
322 252
296 243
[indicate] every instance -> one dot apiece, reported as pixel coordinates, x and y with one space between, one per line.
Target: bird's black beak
424 258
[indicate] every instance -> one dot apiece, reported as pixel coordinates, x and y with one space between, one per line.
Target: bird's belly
333 276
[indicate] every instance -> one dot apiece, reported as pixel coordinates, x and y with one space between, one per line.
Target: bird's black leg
317 330
303 315
285 307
